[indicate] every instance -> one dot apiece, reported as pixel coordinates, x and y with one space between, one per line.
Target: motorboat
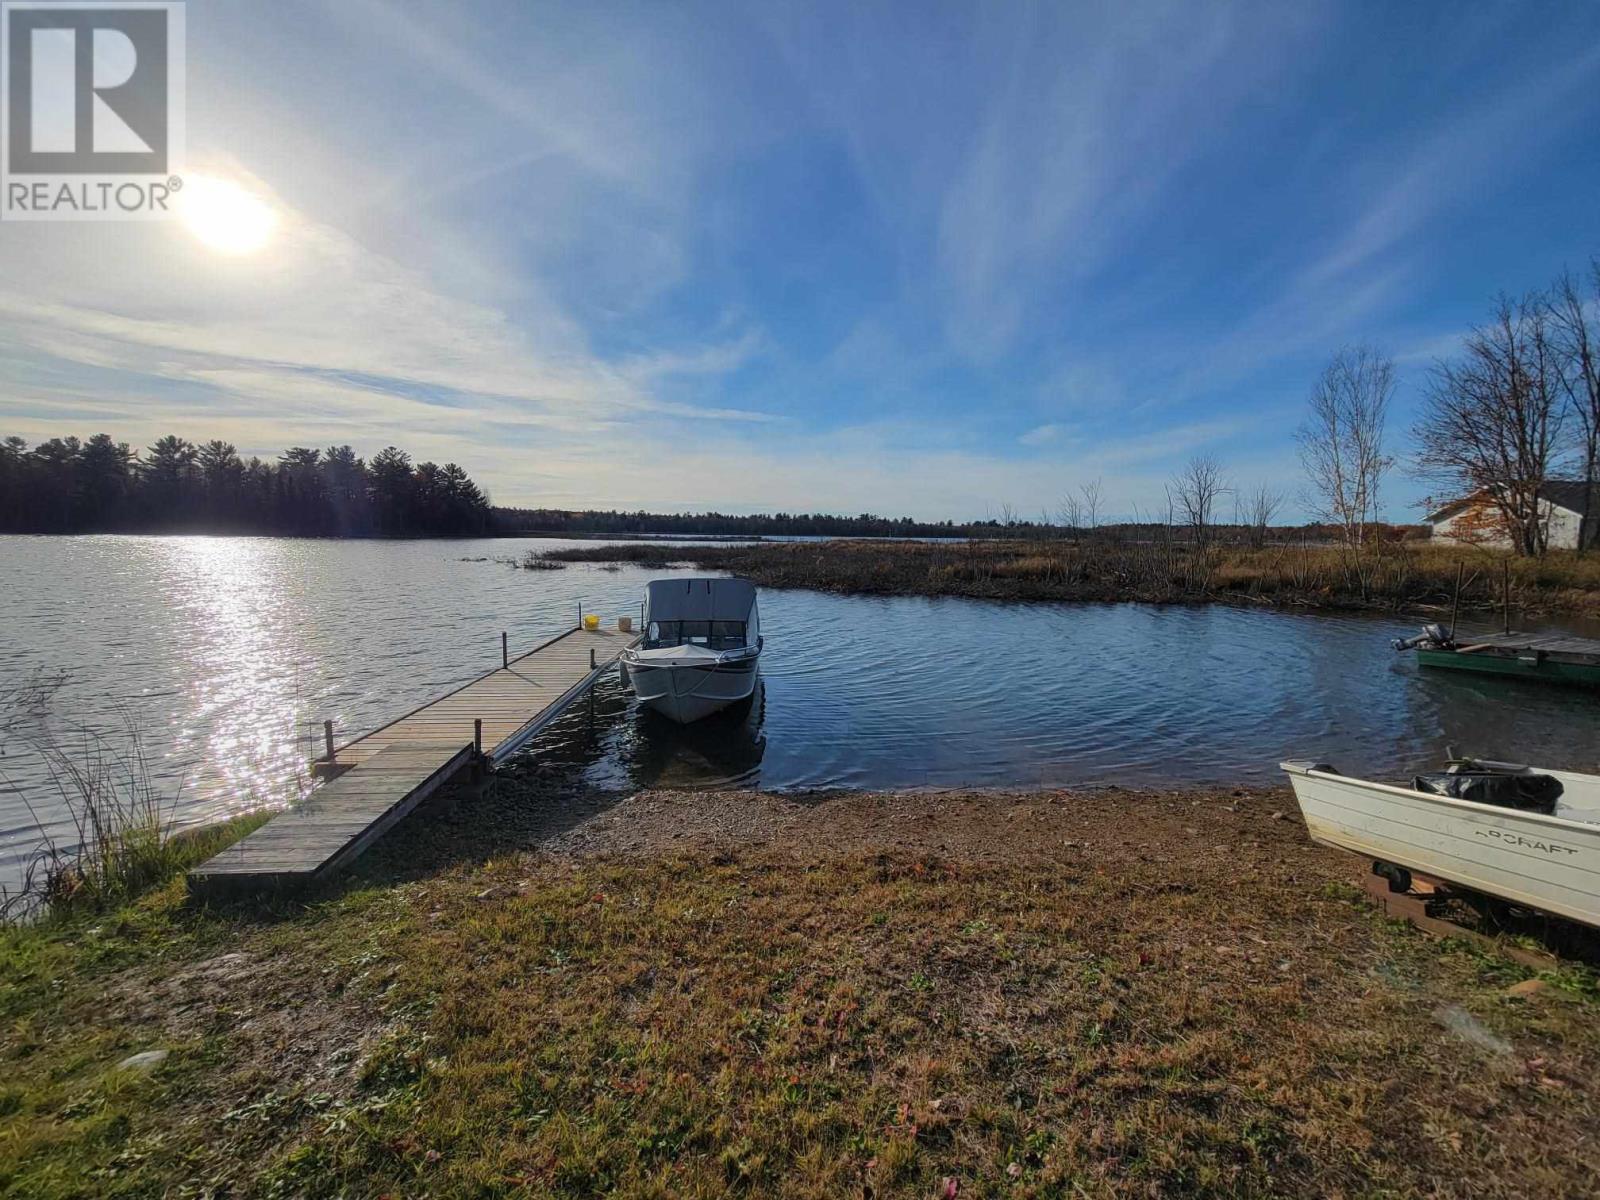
701 648
1551 658
1527 835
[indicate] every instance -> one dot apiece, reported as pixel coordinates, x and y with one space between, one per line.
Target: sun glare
224 216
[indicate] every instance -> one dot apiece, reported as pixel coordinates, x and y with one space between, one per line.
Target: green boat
1552 658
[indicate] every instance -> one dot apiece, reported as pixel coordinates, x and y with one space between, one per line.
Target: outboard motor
1432 636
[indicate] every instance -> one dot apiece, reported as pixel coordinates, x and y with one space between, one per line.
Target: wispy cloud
1043 435
812 255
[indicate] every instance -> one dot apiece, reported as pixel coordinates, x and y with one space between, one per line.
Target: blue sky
916 258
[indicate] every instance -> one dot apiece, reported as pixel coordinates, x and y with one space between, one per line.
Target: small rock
1014 1170
498 892
1528 987
148 1060
1277 815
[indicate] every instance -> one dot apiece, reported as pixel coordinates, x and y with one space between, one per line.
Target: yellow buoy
591 621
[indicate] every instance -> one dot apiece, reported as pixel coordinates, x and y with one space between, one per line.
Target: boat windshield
715 635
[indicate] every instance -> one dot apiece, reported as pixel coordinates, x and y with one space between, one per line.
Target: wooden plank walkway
1549 643
379 777
513 703
333 825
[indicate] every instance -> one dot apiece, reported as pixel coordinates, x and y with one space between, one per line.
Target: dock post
477 735
505 657
1455 604
1505 590
592 663
327 738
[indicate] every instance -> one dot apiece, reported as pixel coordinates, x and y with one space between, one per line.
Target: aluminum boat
1544 860
701 648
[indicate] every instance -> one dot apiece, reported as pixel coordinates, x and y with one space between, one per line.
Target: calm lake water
228 653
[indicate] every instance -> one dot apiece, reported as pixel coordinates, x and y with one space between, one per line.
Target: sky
919 259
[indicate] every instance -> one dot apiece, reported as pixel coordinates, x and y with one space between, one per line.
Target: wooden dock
1552 658
376 779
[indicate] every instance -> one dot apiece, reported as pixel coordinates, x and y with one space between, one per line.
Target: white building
1474 519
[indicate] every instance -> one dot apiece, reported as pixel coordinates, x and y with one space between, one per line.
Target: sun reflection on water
239 603
230 652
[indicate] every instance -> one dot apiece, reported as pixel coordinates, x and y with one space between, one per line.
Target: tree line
64 485
781 524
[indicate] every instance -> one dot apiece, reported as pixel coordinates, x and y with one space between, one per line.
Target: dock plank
379 777
1551 643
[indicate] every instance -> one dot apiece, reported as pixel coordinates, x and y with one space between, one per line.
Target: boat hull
1544 862
1547 670
685 693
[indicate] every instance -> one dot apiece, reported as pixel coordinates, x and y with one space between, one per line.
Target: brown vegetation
1098 993
1392 576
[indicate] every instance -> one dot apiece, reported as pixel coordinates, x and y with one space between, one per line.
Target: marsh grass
124 835
537 560
1391 576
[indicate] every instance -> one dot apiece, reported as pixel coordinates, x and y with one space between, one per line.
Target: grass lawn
1100 993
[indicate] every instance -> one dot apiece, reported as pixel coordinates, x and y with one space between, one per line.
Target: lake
227 654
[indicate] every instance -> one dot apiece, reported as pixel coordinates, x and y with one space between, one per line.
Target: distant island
69 485
176 486
99 485
555 522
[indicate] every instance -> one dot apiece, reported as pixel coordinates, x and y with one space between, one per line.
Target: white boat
701 649
1549 861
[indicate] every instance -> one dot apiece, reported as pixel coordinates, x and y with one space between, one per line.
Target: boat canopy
720 613
700 599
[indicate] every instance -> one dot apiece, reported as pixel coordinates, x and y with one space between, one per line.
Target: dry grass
1401 575
1101 994
125 836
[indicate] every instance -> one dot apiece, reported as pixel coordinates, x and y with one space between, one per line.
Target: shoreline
541 989
1405 580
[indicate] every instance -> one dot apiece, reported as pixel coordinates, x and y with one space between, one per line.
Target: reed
1158 569
535 560
124 838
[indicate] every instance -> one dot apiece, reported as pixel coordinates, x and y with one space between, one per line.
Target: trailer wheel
1399 878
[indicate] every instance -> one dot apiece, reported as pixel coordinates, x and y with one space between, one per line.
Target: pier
1550 658
374 780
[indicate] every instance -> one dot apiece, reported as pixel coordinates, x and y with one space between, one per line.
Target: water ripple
232 651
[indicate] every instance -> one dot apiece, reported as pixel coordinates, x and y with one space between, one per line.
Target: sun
225 216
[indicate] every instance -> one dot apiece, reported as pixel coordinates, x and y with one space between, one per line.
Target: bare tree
1194 494
1491 423
1575 330
1256 510
1091 502
1341 442
1342 449
1070 513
